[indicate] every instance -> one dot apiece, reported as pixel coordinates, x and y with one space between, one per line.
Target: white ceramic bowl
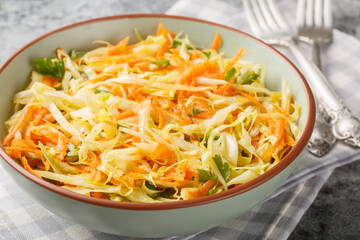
154 219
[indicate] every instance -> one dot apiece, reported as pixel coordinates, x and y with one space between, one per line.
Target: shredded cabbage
159 120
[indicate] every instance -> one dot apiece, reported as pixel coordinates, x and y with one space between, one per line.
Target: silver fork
314 26
268 24
314 22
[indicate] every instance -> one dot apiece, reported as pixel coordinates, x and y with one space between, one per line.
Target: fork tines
264 16
314 19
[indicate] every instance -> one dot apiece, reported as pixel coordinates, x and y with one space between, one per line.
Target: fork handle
316 54
318 81
345 126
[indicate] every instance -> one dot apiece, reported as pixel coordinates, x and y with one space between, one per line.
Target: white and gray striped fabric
275 218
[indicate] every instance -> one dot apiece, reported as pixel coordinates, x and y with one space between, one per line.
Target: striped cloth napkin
276 217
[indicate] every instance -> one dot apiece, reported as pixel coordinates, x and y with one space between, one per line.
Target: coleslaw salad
159 120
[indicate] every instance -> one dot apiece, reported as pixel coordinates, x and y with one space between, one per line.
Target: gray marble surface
335 214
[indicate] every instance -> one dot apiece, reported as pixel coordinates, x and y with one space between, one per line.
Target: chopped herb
207 54
162 62
224 168
195 111
177 44
187 138
246 78
150 186
211 191
59 87
229 74
107 194
167 193
18 161
119 125
204 176
73 151
244 154
97 91
77 54
200 138
216 138
50 67
207 135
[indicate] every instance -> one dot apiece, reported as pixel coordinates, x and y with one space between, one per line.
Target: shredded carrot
25 163
125 114
24 149
279 110
231 63
120 47
252 99
144 66
74 140
162 121
164 48
226 88
99 195
163 154
51 81
187 77
216 42
48 134
278 129
183 120
21 121
195 55
160 29
203 191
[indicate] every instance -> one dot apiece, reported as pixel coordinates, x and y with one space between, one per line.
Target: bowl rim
285 162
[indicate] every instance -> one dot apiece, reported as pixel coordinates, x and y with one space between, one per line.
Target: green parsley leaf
167 193
207 54
204 176
229 74
224 168
97 91
150 186
211 191
200 138
176 44
49 67
162 62
207 135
